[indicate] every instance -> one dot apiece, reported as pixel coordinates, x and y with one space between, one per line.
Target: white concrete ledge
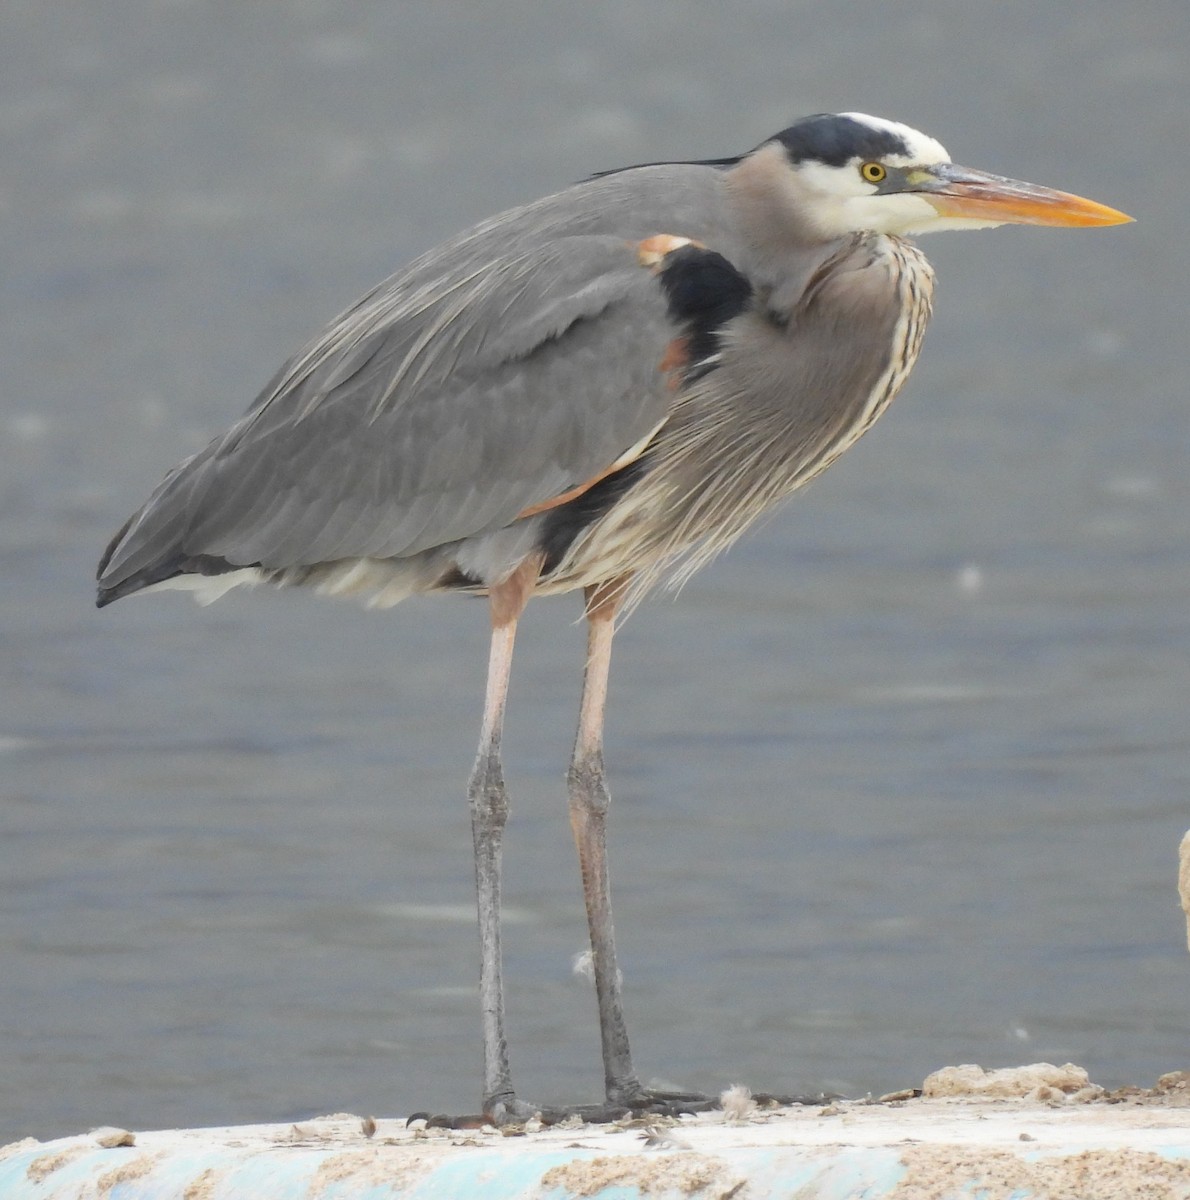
911 1150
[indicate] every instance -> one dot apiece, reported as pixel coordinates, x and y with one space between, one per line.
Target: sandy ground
1040 1130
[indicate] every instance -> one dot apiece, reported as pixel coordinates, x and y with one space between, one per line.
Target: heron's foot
647 1102
509 1112
503 1112
665 1103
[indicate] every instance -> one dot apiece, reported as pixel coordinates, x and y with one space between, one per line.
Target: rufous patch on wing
674 362
564 498
653 250
630 455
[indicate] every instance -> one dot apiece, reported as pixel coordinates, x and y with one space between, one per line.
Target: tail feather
150 546
161 572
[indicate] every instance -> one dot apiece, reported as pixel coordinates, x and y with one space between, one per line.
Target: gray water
898 783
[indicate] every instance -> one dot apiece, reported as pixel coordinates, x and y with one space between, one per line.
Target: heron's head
849 172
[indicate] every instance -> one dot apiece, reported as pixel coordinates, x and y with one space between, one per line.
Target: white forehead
922 148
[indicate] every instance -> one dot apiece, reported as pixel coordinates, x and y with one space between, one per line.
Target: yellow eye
873 172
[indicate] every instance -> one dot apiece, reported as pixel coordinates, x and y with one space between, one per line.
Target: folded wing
450 400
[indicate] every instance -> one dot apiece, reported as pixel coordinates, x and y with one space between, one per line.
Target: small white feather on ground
737 1103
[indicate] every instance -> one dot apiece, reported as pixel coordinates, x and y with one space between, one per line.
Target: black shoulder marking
835 140
702 286
704 291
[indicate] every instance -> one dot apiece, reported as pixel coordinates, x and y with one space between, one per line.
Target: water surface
898 783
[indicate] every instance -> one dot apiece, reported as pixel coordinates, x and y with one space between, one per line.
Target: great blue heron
597 390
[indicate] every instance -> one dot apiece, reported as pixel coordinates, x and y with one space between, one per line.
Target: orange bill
962 192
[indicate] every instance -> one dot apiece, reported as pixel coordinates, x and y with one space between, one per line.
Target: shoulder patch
704 292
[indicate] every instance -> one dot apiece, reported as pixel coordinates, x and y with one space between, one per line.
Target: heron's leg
489 813
589 803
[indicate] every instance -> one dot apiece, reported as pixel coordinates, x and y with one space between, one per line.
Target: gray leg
489 812
589 802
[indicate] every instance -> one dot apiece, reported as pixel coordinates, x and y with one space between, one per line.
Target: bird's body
591 391
525 354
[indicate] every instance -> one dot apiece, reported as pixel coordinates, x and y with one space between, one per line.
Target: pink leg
589 803
489 813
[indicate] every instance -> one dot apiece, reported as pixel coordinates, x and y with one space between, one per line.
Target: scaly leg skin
588 809
589 803
489 813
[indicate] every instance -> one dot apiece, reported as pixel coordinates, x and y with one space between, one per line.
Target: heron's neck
767 203
782 249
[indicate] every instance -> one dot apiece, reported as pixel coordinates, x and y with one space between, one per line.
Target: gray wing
442 405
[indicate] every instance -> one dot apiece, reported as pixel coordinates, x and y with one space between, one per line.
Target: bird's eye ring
873 172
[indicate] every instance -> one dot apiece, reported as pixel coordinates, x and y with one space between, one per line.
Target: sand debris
202 1187
372 1166
109 1137
47 1164
136 1168
684 1173
940 1172
1042 1082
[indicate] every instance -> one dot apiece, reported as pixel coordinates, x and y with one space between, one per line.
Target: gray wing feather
500 369
459 405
